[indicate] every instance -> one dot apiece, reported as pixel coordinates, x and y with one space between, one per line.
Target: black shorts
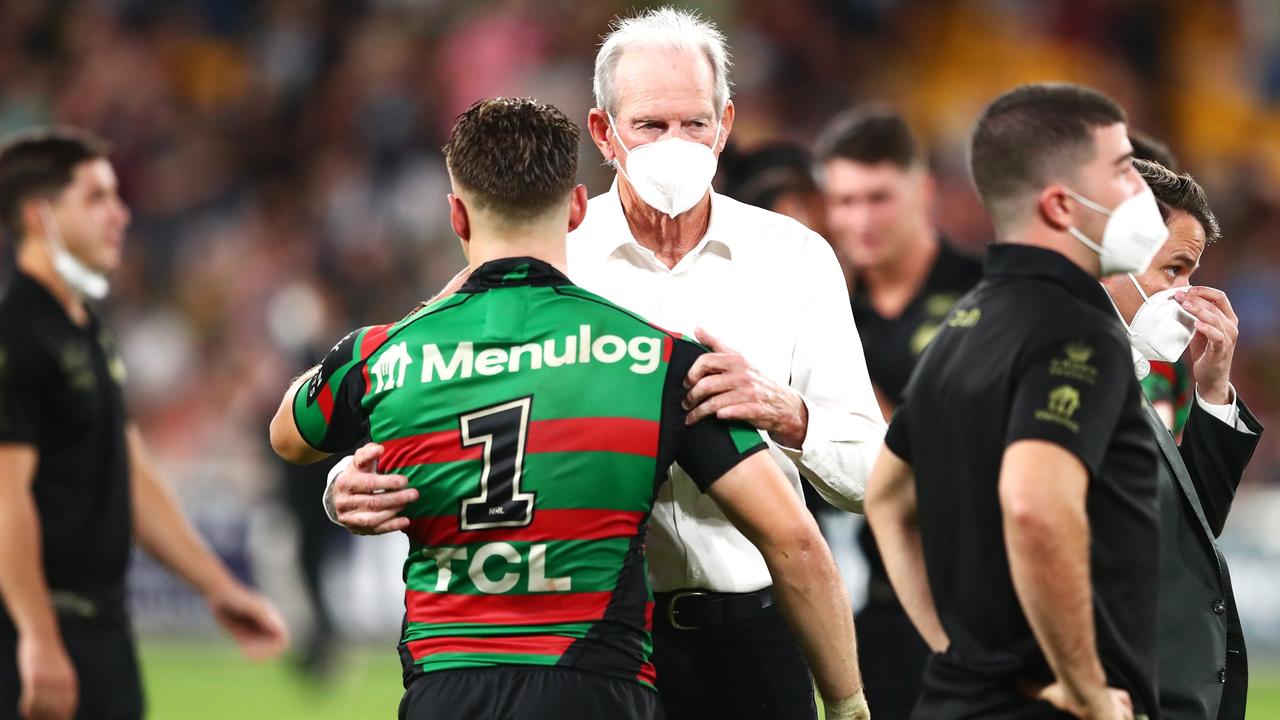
106 669
526 693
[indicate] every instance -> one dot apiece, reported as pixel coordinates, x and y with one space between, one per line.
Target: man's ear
726 121
34 215
1052 206
576 206
459 218
598 126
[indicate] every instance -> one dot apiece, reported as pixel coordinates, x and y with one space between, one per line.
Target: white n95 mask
671 175
1133 234
83 280
1161 329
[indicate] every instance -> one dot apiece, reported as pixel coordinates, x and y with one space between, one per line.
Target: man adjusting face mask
1133 234
1161 329
671 175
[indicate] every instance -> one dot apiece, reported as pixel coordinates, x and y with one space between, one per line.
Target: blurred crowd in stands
282 157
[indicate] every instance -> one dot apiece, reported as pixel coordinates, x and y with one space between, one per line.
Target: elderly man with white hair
767 296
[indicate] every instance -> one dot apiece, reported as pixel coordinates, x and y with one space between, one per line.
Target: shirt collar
513 272
1011 260
617 235
24 286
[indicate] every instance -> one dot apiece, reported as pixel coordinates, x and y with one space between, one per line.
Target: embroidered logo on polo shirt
1064 400
965 318
1074 363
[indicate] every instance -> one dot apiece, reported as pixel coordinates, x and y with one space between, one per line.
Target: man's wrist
793 436
327 499
853 707
1215 394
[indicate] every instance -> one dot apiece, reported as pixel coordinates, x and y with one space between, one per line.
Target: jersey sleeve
22 377
710 447
898 436
326 408
1071 393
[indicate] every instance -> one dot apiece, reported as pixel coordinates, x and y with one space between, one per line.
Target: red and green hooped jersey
537 421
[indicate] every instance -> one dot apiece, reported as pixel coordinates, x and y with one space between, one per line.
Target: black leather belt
696 609
88 605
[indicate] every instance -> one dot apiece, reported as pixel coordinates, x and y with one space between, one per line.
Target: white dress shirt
771 289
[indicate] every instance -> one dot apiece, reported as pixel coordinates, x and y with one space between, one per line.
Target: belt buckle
671 608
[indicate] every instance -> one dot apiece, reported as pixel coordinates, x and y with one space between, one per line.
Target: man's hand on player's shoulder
723 383
368 503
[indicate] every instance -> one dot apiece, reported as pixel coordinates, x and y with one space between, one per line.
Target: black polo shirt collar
514 272
1010 260
33 295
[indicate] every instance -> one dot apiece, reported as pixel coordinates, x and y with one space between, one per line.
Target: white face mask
1134 233
672 175
1161 329
82 279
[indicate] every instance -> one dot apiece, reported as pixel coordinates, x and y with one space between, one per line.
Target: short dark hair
761 176
41 161
517 156
1032 133
1146 147
1179 192
869 134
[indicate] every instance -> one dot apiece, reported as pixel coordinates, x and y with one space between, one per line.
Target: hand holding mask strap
1161 329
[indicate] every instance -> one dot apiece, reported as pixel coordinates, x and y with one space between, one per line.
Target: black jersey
1035 351
60 392
892 345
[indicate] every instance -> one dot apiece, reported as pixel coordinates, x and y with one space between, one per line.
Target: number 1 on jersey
502 430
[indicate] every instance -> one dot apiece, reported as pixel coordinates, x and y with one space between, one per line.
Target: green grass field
209 681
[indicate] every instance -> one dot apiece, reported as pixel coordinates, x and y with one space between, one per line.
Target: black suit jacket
1203 671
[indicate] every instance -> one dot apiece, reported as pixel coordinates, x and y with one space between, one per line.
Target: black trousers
526 693
106 666
742 670
896 659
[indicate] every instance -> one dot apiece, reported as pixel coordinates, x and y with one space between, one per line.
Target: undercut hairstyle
664 27
514 156
1146 147
1180 192
869 134
41 163
1029 137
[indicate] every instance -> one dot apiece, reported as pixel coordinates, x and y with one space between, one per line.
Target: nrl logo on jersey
643 353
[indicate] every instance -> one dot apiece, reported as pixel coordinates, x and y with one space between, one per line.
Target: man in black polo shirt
905 280
75 481
1015 503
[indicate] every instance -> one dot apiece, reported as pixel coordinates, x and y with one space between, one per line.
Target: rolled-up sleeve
829 371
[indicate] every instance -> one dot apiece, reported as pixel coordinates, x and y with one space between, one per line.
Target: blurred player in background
778 177
1203 671
76 483
536 423
905 279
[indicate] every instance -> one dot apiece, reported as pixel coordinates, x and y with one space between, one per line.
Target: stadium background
281 159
